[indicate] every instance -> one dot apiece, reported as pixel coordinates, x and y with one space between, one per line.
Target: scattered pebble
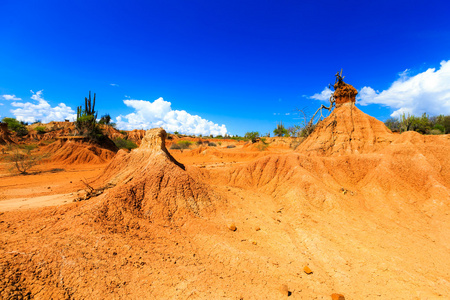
307 270
285 290
257 228
232 227
337 297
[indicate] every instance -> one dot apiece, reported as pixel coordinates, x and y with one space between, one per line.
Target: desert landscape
352 211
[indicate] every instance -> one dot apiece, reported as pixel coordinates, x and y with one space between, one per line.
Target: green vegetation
16 126
423 124
41 129
211 144
124 144
253 136
280 130
262 145
106 120
184 144
86 123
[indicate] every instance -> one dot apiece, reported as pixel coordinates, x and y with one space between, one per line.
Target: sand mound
79 150
347 130
150 183
4 135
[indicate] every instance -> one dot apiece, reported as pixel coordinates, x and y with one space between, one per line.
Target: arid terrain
352 211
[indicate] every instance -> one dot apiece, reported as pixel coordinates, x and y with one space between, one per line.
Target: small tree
393 124
253 136
16 126
105 119
23 162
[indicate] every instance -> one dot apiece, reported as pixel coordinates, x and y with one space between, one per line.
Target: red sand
365 210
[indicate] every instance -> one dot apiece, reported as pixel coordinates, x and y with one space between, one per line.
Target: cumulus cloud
160 114
322 96
428 92
11 97
42 110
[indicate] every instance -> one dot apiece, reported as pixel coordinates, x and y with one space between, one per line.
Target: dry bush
25 160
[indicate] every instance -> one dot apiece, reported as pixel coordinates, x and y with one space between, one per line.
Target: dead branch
91 189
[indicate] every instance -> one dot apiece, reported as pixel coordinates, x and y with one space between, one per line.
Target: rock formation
347 129
4 134
343 92
152 184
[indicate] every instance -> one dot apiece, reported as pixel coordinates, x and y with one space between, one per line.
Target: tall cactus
87 117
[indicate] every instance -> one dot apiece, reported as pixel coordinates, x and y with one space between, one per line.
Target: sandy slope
366 210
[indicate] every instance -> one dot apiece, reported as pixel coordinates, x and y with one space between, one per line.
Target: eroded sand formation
4 135
355 210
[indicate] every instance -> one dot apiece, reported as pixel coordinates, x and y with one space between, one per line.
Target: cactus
87 117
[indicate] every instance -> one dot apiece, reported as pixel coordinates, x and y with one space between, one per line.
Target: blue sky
243 64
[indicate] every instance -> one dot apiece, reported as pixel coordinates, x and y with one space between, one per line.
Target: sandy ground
363 230
46 185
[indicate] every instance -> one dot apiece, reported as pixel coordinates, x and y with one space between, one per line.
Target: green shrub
28 147
280 130
253 135
16 126
175 147
124 144
105 119
40 129
435 132
393 124
184 144
211 144
439 127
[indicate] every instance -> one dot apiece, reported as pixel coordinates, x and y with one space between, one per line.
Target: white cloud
11 97
113 84
322 96
160 114
428 92
42 110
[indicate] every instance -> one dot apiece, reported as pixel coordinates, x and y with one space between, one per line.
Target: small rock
337 297
258 228
285 290
254 243
307 270
232 227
